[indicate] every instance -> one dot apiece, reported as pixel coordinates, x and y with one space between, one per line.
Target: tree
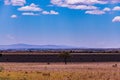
65 56
0 53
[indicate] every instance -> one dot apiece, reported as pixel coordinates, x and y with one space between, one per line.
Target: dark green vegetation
65 56
59 57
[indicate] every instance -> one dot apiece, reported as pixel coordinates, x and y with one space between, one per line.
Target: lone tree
0 53
65 56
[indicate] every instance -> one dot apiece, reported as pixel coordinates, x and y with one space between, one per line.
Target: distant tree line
62 51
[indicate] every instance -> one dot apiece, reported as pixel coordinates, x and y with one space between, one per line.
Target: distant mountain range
28 46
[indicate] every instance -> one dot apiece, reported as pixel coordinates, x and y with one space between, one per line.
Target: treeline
62 51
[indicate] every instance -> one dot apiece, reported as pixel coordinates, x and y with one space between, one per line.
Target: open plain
60 71
34 66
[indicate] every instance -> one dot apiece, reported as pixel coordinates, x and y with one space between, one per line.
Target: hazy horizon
79 23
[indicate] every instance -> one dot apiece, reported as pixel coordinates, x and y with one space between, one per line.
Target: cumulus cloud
50 13
116 19
29 14
106 9
95 12
18 2
74 4
31 7
90 6
13 16
84 4
82 7
115 1
86 1
15 2
116 8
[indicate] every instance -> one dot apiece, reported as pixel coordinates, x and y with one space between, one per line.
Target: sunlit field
60 71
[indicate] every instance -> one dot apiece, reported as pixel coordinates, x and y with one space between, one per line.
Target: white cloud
15 2
116 8
116 19
53 12
45 12
115 1
88 2
29 14
85 1
64 3
83 4
95 12
82 7
73 2
18 2
50 13
31 7
107 9
13 16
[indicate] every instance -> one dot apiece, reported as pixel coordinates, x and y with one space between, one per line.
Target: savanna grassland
60 71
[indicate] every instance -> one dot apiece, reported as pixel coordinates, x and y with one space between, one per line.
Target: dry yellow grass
37 71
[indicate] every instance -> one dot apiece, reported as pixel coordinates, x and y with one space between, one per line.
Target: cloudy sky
82 23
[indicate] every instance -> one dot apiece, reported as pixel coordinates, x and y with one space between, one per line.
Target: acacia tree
65 56
0 53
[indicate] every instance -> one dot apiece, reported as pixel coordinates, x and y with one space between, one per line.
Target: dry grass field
55 71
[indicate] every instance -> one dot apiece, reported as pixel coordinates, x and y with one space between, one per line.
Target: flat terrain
59 71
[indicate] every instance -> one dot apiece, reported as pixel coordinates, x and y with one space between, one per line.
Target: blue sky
81 23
